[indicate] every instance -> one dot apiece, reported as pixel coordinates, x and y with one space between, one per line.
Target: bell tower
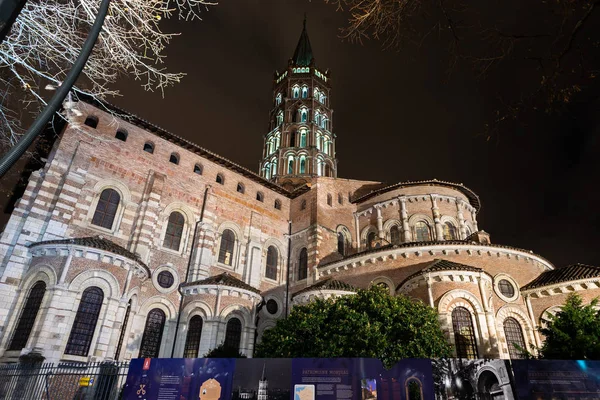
300 143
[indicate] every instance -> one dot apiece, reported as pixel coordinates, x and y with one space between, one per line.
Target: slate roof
473 198
328 284
442 265
572 272
303 55
96 242
224 279
193 147
430 243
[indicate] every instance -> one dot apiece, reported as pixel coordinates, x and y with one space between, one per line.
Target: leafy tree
574 332
369 324
224 351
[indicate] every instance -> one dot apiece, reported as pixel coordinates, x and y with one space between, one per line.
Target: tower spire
263 373
303 55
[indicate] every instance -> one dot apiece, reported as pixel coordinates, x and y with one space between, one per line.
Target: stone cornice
226 290
416 250
443 276
91 253
413 198
562 288
306 297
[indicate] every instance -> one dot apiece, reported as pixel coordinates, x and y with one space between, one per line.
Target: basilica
134 242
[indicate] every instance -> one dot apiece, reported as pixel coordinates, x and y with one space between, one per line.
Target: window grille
464 333
226 249
153 331
165 279
506 288
271 270
514 336
395 235
106 209
422 232
449 231
233 334
28 316
174 231
86 319
192 341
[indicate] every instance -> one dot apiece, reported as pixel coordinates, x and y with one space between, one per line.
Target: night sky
398 116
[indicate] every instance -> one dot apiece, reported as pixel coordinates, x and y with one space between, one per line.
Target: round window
272 306
506 288
165 279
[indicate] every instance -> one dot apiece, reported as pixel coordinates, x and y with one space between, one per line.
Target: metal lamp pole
11 157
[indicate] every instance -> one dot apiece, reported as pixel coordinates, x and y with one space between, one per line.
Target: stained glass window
192 341
449 231
123 330
506 288
174 231
28 316
106 209
226 249
395 234
464 333
422 232
514 336
303 264
233 334
165 279
86 319
271 270
153 331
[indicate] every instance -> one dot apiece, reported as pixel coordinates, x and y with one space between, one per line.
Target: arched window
91 121
320 166
290 165
85 322
464 333
395 234
449 231
149 147
226 249
123 331
274 167
220 179
370 239
106 209
233 334
277 205
303 264
304 92
302 164
293 139
198 169
278 99
28 316
303 205
341 243
303 135
319 140
327 170
295 92
240 188
329 200
303 115
174 159
468 230
514 338
271 270
279 118
153 331
192 341
121 135
260 196
422 233
340 199
414 389
174 231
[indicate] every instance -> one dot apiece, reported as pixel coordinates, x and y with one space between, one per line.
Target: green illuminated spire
303 55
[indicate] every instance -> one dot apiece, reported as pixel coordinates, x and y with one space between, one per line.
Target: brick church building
134 242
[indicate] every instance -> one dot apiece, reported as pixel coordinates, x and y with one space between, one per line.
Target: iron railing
72 381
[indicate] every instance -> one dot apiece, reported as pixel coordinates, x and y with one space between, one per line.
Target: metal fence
63 381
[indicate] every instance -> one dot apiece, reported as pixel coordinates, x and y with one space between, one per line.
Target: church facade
134 242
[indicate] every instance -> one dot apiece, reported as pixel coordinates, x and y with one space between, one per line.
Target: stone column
430 292
439 231
128 280
65 270
407 235
536 334
461 218
489 318
356 244
380 232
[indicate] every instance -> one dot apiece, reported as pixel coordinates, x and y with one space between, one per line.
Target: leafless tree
555 43
48 35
